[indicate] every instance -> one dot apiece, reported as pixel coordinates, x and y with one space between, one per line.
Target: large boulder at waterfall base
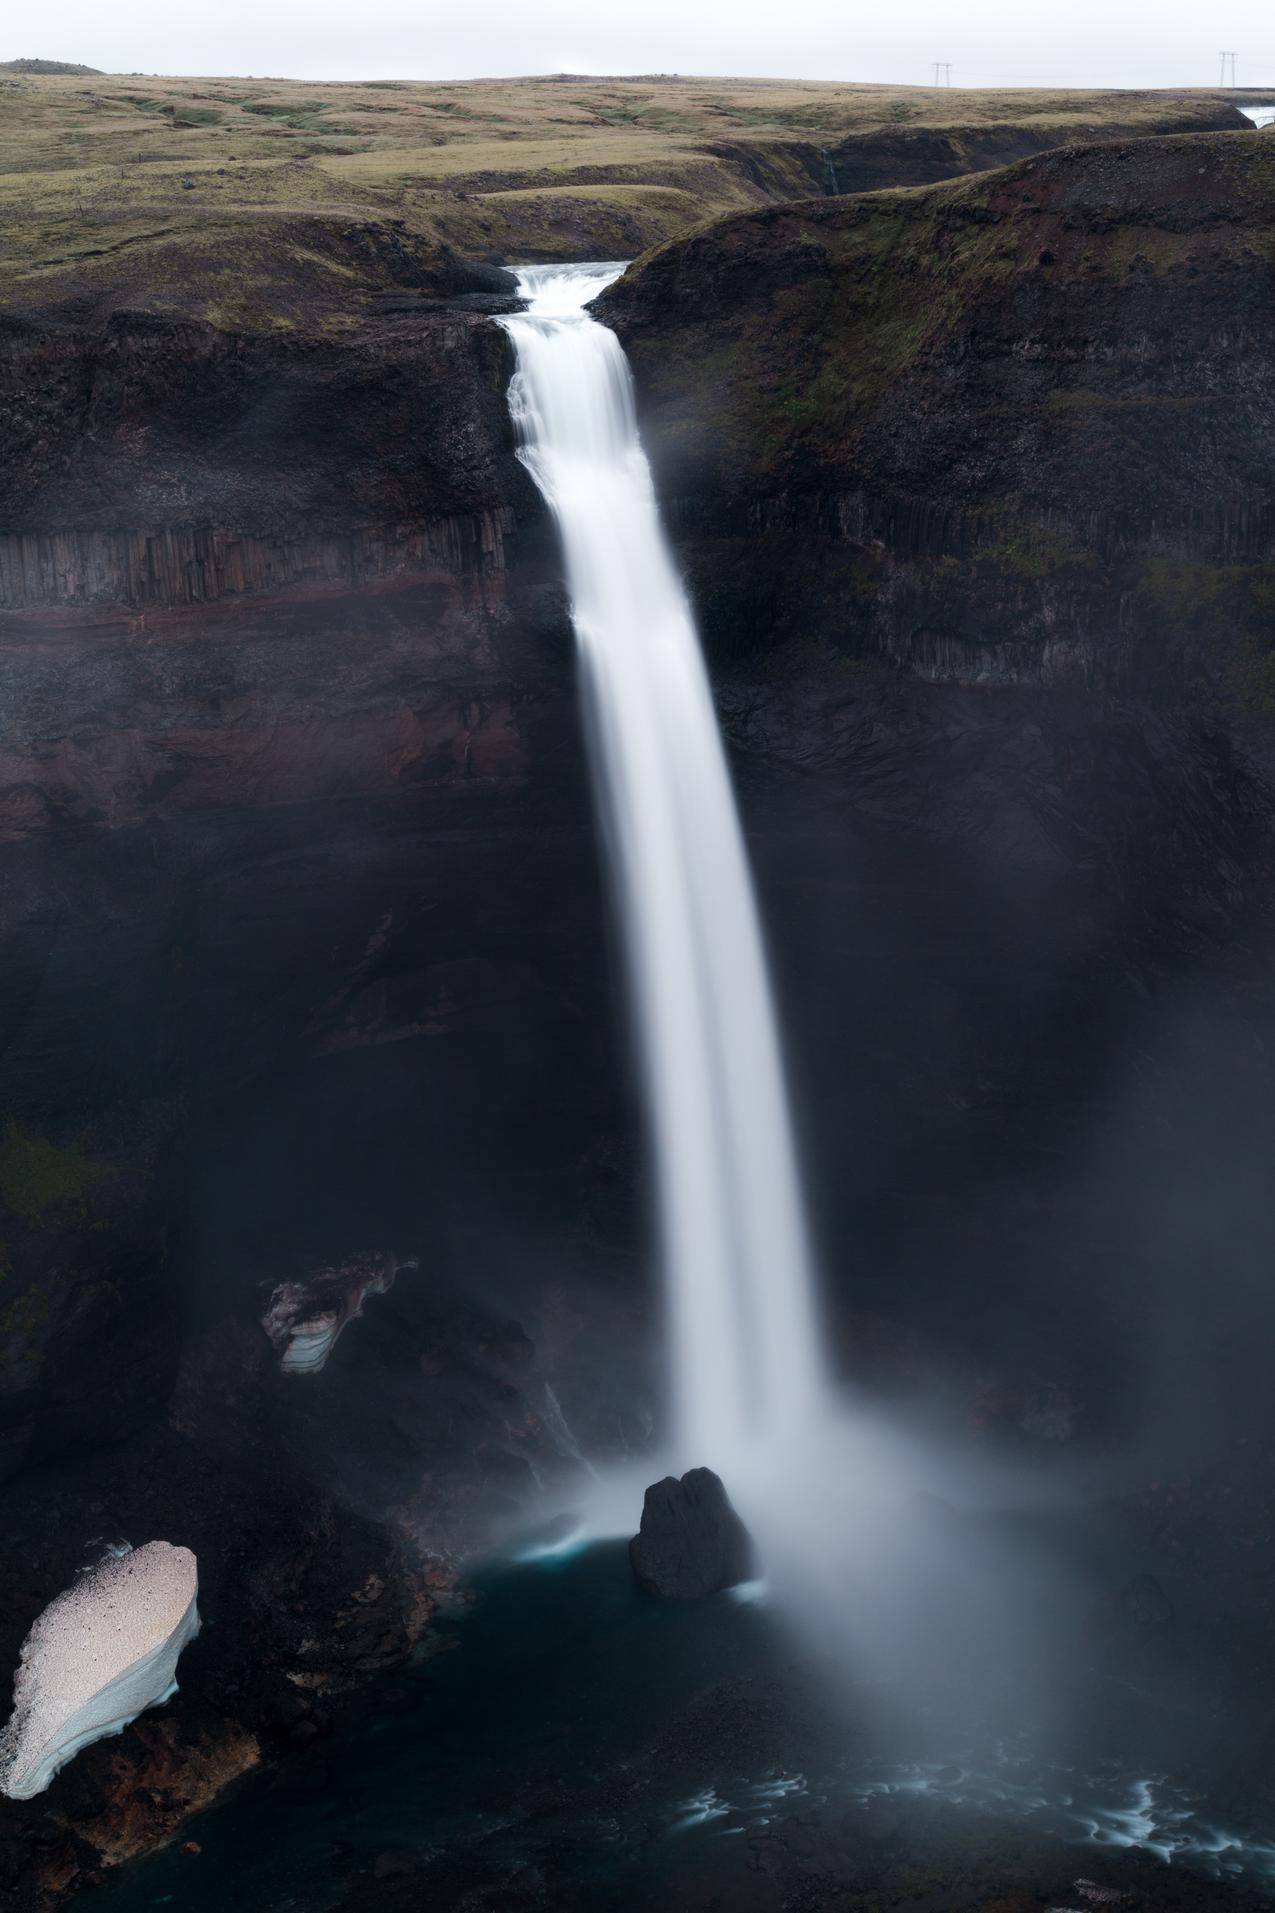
691 1542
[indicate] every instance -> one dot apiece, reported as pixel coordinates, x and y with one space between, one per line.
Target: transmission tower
1223 57
945 68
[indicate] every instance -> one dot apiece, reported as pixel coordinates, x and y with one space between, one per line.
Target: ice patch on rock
99 1655
305 1319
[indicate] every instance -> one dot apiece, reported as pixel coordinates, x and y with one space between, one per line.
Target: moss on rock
44 1185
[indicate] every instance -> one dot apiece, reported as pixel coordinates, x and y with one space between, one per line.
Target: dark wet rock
395 1864
480 276
691 1543
1134 1620
492 303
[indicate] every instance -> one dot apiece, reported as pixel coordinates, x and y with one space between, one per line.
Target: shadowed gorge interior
549 1000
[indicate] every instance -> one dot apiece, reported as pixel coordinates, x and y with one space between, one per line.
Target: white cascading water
747 1373
879 1543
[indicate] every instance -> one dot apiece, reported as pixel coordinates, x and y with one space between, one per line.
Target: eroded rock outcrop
691 1542
230 463
98 1656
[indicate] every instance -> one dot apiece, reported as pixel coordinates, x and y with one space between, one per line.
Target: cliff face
971 487
923 155
300 913
305 955
154 426
1021 419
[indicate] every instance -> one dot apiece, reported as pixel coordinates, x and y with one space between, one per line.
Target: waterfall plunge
865 1552
962 1623
747 1375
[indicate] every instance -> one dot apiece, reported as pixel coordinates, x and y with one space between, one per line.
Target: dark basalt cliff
973 488
1022 421
923 155
141 426
305 952
974 491
300 913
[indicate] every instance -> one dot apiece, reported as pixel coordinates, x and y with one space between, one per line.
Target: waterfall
746 1370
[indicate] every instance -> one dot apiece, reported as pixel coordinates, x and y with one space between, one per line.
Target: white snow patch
99 1655
304 1319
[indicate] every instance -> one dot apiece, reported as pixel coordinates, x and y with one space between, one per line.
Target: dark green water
583 1747
561 1669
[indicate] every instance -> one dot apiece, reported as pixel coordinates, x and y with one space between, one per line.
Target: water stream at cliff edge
746 1368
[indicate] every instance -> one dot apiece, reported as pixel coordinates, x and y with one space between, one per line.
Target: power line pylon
945 68
1224 57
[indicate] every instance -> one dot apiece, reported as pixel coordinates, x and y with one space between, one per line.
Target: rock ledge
691 1543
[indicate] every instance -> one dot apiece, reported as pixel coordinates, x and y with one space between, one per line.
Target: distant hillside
45 66
225 198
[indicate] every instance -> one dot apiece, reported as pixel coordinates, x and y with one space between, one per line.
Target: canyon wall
973 491
306 954
1018 421
300 962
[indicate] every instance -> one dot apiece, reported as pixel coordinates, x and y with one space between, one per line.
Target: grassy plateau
251 202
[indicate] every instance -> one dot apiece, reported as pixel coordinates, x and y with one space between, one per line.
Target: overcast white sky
989 42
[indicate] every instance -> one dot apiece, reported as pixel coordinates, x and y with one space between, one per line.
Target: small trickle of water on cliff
747 1371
